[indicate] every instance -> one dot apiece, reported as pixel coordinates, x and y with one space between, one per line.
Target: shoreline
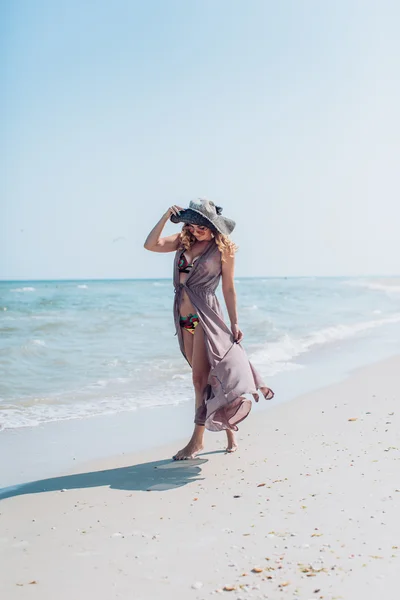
51 448
309 502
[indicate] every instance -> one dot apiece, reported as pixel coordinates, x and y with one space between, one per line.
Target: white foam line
278 355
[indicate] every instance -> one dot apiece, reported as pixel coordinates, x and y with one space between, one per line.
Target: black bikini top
183 264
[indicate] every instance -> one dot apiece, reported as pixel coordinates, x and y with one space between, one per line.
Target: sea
78 349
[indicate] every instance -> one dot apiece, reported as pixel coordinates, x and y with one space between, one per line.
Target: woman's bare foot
189 451
194 446
232 443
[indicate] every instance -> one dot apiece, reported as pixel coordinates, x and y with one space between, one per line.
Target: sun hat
204 212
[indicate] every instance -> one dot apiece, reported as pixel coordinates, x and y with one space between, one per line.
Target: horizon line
96 279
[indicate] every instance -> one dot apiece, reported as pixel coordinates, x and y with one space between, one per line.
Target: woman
221 371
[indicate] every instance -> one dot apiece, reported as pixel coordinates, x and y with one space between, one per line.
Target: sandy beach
308 507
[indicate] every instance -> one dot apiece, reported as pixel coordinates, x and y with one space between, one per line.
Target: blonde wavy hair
224 243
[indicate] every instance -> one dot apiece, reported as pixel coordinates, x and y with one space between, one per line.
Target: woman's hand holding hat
174 210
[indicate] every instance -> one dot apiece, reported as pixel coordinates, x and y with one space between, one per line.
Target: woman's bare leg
196 441
232 442
200 372
188 345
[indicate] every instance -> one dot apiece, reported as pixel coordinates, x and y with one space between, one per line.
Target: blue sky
284 113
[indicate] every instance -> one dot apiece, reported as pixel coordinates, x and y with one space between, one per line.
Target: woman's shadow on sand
157 476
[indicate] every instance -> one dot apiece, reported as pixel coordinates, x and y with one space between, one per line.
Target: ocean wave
14 417
278 356
36 411
8 329
24 289
102 396
388 287
47 327
82 287
32 348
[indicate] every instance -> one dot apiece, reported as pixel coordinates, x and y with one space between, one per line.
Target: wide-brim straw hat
204 212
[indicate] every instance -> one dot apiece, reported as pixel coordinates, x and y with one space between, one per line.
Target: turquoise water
73 349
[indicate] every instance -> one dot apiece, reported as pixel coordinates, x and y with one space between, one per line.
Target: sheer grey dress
231 373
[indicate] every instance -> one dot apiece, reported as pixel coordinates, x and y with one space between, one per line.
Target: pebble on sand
197 585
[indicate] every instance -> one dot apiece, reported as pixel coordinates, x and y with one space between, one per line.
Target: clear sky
285 113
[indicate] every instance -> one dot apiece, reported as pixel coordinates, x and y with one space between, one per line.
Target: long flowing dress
231 373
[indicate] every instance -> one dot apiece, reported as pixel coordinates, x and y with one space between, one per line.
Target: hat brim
193 217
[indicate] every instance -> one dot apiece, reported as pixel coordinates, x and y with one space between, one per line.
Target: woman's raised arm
155 243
